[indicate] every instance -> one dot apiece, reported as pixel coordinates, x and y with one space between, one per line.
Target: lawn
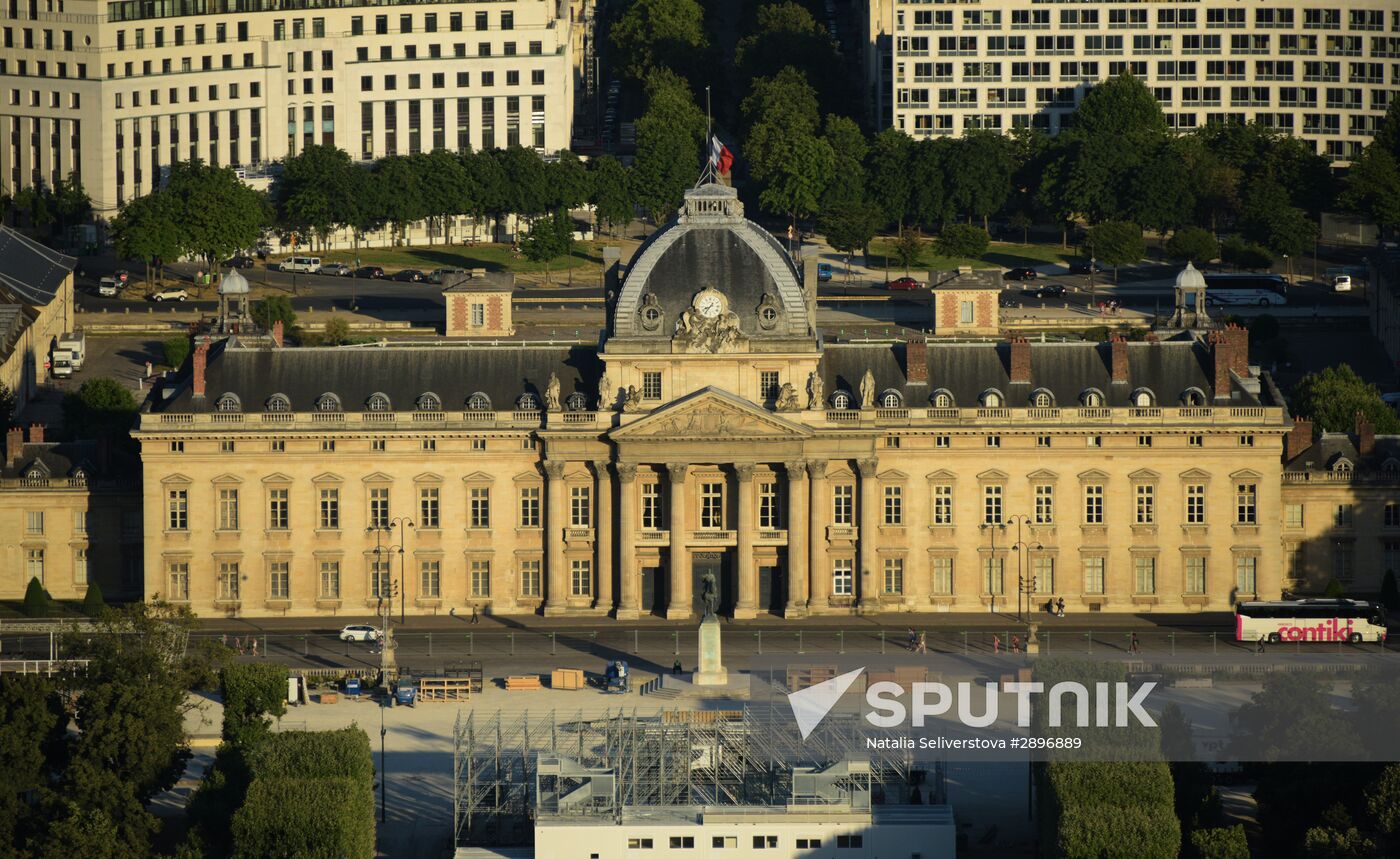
587 257
998 255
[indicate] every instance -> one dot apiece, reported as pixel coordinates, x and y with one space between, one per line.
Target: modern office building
115 91
1324 72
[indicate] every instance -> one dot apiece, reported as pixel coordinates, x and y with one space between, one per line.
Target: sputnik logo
810 705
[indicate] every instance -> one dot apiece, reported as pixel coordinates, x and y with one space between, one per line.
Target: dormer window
991 399
1091 399
528 402
35 474
576 402
841 400
429 402
1193 397
891 399
1042 399
941 399
1342 466
478 402
228 403
279 403
377 403
1142 399
328 403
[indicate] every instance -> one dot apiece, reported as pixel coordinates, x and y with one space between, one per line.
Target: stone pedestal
711 671
1032 638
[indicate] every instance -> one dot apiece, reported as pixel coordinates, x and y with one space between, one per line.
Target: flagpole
709 137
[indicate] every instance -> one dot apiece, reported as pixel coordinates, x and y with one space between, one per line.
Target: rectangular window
1094 504
34 565
80 522
1195 504
767 384
479 498
1391 519
651 507
427 444
580 577
966 312
34 522
380 581
480 577
1043 574
379 507
1342 519
330 580
894 575
228 509
277 503
330 509
177 574
651 385
228 580
529 507
1196 574
429 506
1246 567
894 505
843 504
530 583
279 580
328 445
842 577
1246 503
1293 515
1343 555
1145 574
942 505
942 575
1145 509
80 566
580 507
1045 505
712 506
478 314
992 505
1093 574
769 517
993 575
430 579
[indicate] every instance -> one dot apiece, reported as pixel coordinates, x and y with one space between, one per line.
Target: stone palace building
712 430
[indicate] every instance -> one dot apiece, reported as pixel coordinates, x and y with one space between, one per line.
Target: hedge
344 753
1096 810
252 692
1224 843
306 818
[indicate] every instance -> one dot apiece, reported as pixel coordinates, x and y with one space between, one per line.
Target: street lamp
383 771
993 527
1093 264
399 522
1025 585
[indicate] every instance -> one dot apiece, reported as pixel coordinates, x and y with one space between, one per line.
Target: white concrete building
1325 71
114 91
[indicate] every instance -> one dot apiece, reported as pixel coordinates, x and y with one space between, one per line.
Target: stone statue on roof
867 390
632 402
551 393
607 392
815 389
787 398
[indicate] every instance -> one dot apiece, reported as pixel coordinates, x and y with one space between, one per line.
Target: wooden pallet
521 682
567 678
809 675
905 675
446 689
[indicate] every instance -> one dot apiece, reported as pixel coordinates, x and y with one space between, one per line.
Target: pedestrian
913 639
676 666
923 642
1015 644
238 644
1133 645
223 639
1060 606
996 643
148 369
1259 645
255 645
475 619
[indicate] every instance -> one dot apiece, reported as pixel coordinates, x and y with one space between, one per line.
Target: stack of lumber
567 678
450 689
520 682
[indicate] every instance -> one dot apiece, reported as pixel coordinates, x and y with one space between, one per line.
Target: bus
1327 620
1263 290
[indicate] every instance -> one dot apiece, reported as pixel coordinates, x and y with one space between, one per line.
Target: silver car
335 269
359 632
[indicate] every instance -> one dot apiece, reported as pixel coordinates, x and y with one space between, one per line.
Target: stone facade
479 306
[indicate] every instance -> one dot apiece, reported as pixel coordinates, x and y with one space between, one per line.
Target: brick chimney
1299 439
198 363
1365 435
916 361
1117 358
277 333
1020 361
36 433
14 445
1229 351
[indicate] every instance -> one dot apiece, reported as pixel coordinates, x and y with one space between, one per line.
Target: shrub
1264 328
1193 244
176 350
315 818
37 602
963 240
1225 843
93 603
1241 254
1334 589
251 693
329 754
1091 810
336 333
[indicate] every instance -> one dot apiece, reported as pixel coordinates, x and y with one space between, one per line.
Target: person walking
913 641
1060 607
475 619
996 644
254 642
223 639
923 642
1259 645
1015 644
1133 645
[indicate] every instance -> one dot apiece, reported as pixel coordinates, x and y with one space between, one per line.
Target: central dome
711 246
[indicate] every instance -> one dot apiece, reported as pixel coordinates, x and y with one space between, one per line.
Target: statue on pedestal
787 398
551 393
867 390
814 391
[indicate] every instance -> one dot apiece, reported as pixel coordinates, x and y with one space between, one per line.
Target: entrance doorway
717 565
772 589
653 591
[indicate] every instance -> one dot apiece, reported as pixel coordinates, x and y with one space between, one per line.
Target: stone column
819 571
797 540
680 596
747 606
628 586
869 593
557 587
604 536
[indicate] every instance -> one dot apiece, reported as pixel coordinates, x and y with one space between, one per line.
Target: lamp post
992 527
383 771
386 605
1025 585
399 522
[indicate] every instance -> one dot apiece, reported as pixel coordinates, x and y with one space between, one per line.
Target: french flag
720 157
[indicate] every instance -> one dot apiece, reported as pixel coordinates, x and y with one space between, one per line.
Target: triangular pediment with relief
711 414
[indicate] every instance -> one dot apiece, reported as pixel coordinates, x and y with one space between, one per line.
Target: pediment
992 474
1195 474
478 477
892 474
277 477
377 477
1043 474
1093 474
327 477
1244 474
175 478
711 415
941 474
1144 474
227 478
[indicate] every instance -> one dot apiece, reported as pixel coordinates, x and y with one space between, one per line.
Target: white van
309 265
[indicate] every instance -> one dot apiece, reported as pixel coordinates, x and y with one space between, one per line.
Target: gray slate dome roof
711 245
1190 278
233 283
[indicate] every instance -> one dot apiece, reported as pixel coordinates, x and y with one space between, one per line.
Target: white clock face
709 306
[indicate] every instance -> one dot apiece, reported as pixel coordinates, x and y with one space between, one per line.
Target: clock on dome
709 302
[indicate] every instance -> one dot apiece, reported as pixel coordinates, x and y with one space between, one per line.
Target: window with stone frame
380 580
228 509
651 506
329 580
430 579
1247 574
843 504
1195 504
429 506
1043 574
1144 574
177 576
580 577
993 574
379 507
177 507
1044 504
479 577
712 505
278 501
228 581
943 505
942 575
329 518
894 575
479 507
279 580
580 507
531 580
992 509
1093 568
842 577
1145 504
530 506
1246 504
769 515
894 505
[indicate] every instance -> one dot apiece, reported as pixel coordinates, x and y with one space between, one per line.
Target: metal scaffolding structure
510 768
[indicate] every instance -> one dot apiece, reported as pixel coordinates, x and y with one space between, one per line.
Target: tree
848 149
783 149
1117 243
316 191
1383 800
1023 221
568 183
1373 187
148 228
928 196
963 240
1121 107
401 199
1161 197
887 174
274 308
786 34
1193 244
979 173
908 246
1223 843
611 193
1089 810
35 724
655 34
101 407
1241 254
849 227
444 186
669 135
549 237
1334 396
37 602
175 351
93 603
252 693
336 332
217 214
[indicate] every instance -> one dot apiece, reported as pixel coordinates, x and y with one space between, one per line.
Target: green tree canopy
656 34
849 227
175 350
963 240
401 199
887 174
148 228
1193 244
1161 198
549 237
444 186
1268 218
908 247
1117 243
93 602
929 203
611 192
784 151
669 136
274 308
1373 186
1333 396
786 35
217 214
1223 843
252 692
567 182
848 149
101 407
316 192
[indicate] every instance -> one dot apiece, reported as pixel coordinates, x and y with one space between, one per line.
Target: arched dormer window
991 399
528 402
576 402
942 399
1193 397
842 400
1041 398
891 399
377 403
228 403
429 402
1142 398
1342 465
1091 398
1391 467
278 403
479 402
328 402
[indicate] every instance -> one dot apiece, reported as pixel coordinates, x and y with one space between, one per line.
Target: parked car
1341 283
1049 290
1022 273
372 271
437 275
359 632
240 261
335 269
409 275
263 251
904 283
107 286
1085 267
169 295
306 265
823 271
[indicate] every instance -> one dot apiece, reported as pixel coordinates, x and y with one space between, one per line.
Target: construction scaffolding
510 768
